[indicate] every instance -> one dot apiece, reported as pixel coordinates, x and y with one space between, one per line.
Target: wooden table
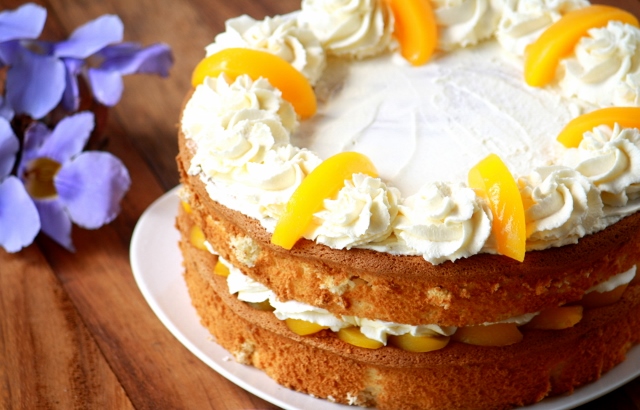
75 331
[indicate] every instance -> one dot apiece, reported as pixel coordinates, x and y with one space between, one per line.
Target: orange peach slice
302 327
626 117
264 306
498 334
492 180
418 344
221 269
196 237
557 41
557 318
234 62
186 206
354 336
415 29
323 182
598 299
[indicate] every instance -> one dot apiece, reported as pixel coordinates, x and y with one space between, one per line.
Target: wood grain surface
75 331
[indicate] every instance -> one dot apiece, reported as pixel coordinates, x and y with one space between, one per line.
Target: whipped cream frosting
523 21
561 206
443 222
605 66
356 28
423 127
463 23
277 35
363 212
610 158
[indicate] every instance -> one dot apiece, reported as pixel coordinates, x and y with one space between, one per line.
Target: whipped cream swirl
217 100
605 67
464 23
443 222
561 206
278 35
523 21
610 158
357 28
363 212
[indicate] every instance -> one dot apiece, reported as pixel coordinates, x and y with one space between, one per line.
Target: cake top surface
433 122
423 127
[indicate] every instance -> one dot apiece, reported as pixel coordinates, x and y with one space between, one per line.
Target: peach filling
303 327
354 336
196 237
418 344
598 299
557 318
498 334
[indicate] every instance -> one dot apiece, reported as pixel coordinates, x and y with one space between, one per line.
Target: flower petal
55 221
9 146
106 86
91 37
18 216
37 83
71 95
68 138
91 187
6 111
25 22
131 58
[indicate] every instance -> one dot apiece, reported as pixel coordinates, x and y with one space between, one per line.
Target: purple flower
42 74
25 22
19 220
68 185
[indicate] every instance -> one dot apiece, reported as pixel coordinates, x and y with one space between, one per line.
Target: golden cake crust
408 289
458 376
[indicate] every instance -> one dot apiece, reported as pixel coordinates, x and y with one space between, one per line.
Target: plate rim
160 215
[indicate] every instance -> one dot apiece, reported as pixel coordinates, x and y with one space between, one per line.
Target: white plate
157 267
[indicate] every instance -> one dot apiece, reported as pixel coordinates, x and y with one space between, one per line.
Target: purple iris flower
42 74
19 220
66 184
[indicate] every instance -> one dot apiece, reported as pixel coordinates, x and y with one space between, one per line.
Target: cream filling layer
249 290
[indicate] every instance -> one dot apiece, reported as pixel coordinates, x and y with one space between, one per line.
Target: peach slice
415 29
557 41
302 327
221 269
557 318
498 334
598 299
492 180
418 344
234 62
186 206
196 237
264 306
354 336
572 134
323 182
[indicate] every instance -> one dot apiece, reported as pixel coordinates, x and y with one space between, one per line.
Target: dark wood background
75 331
